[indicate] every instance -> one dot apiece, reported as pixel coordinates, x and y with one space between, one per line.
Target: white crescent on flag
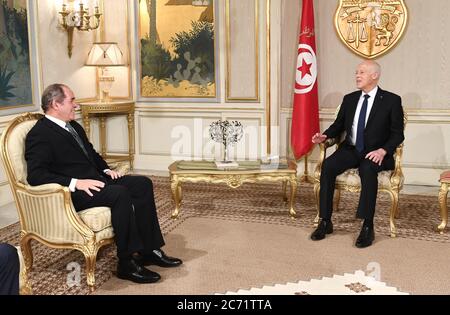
306 73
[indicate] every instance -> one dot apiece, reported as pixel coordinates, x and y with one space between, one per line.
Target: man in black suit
9 270
373 121
57 150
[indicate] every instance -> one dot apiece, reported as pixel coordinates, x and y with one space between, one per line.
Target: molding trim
229 98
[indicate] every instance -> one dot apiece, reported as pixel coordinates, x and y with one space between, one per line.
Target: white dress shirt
358 111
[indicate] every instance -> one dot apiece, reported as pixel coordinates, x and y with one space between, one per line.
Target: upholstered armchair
390 181
445 188
46 212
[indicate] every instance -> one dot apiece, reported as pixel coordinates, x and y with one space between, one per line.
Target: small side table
103 109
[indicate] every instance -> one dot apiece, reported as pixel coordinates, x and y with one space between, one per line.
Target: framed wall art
17 50
177 59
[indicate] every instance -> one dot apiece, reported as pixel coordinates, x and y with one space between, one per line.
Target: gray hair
374 66
54 92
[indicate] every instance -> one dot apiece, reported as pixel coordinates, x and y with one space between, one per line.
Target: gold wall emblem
370 28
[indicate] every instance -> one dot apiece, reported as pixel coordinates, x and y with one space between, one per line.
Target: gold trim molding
229 98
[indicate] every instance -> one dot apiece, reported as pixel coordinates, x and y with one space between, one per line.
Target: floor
8 213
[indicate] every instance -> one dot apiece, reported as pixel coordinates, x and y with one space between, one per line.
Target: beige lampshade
105 54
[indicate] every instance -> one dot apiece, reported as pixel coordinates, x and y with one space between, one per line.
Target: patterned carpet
348 284
261 203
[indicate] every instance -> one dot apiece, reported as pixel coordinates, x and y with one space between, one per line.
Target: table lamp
104 55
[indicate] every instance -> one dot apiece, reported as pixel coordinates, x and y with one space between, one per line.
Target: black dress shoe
130 269
159 258
324 227
365 238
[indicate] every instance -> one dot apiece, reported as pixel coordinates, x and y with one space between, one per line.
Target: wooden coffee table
247 172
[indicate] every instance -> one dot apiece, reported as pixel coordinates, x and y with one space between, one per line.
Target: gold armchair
443 192
46 212
390 181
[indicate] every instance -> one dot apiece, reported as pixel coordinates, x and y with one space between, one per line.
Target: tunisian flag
305 114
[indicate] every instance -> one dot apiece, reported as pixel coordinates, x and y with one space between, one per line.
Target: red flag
305 113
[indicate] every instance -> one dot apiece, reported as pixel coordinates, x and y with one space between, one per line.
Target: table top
244 167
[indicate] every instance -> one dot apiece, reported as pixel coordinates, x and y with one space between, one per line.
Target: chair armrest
41 206
123 168
322 155
43 189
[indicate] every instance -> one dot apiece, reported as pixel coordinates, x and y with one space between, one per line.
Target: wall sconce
104 55
79 18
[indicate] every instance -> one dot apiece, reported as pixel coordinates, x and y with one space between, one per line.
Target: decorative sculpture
227 133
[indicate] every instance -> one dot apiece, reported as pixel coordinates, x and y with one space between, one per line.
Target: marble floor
8 213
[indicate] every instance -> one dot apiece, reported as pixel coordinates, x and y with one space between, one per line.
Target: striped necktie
76 137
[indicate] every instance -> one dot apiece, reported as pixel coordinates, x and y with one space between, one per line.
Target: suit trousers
9 270
133 213
344 158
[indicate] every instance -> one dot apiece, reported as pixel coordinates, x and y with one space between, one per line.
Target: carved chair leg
25 288
24 283
25 246
394 207
393 211
90 268
337 199
316 197
443 205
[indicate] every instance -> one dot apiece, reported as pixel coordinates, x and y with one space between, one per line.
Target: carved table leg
87 125
293 182
176 194
102 133
131 149
443 204
285 197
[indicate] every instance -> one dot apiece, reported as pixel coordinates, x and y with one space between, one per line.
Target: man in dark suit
9 270
57 150
373 121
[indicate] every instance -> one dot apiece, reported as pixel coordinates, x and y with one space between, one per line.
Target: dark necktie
77 138
359 144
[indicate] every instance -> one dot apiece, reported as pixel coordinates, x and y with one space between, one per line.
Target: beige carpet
223 255
241 238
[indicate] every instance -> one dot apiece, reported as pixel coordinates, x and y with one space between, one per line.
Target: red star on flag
305 68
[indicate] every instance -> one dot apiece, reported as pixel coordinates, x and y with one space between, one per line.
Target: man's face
66 109
366 77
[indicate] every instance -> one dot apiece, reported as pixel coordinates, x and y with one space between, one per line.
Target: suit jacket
384 128
54 156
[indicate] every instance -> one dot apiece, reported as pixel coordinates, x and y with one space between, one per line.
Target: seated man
373 121
57 150
9 270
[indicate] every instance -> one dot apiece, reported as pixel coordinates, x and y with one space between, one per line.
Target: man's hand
319 138
113 174
88 184
376 156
